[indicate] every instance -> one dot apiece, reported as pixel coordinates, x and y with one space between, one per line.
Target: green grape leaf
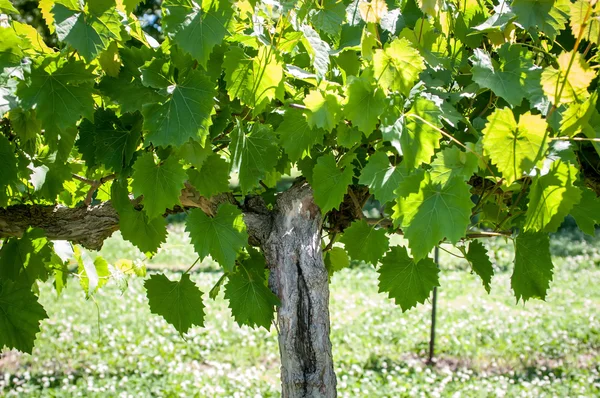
130 5
514 148
130 94
318 50
20 316
576 118
364 104
397 66
221 236
48 180
480 263
336 259
587 212
433 213
253 154
574 85
179 303
6 7
109 140
507 79
420 136
159 184
551 198
250 300
156 74
297 137
365 243
405 280
184 115
196 28
238 71
212 178
147 235
8 165
110 61
590 25
549 16
89 32
533 266
452 162
381 177
330 184
194 153
60 91
330 17
254 81
24 259
325 110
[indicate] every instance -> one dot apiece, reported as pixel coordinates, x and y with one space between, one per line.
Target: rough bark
299 278
88 226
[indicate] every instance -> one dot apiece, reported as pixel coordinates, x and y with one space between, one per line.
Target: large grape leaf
507 78
452 162
420 136
318 50
297 137
397 66
250 300
20 316
576 82
325 109
336 259
549 16
381 177
212 178
109 140
254 81
576 118
221 236
197 28
435 212
184 115
329 183
480 263
364 242
514 148
364 104
159 184
89 30
330 17
179 303
533 266
551 198
24 260
60 91
405 280
587 212
253 153
135 226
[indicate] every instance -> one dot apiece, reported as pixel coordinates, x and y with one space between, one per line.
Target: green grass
487 345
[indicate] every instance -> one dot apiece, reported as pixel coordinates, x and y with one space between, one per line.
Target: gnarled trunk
299 278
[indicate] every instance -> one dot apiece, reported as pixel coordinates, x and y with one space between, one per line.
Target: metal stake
436 257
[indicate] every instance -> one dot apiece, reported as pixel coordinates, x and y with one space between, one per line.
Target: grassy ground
487 345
